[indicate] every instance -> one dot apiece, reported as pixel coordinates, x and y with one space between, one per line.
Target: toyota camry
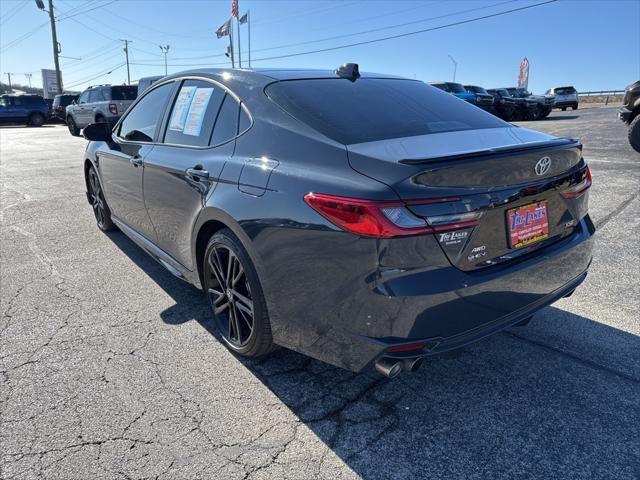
365 220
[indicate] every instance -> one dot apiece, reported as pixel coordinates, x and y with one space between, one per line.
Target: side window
84 98
140 123
18 101
95 95
3 102
194 113
106 93
226 126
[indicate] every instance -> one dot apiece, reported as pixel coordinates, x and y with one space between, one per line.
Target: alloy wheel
230 296
97 200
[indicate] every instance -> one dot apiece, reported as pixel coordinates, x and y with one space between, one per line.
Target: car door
6 109
80 110
184 169
121 164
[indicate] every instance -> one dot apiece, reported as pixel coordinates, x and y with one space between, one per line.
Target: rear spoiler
508 150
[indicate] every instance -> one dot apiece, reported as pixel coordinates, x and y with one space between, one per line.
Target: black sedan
364 220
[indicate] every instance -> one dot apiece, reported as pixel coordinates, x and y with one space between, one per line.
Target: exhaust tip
389 368
413 364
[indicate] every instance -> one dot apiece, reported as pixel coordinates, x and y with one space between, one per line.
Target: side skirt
159 255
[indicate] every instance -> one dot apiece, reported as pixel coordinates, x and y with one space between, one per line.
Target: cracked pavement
110 368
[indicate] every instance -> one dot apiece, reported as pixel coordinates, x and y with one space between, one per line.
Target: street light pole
165 50
455 67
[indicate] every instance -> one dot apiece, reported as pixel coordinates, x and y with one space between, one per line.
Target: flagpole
239 47
233 64
249 30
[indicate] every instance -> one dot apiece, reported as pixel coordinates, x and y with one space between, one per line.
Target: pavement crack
616 211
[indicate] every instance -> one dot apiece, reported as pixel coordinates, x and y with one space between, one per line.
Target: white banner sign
49 83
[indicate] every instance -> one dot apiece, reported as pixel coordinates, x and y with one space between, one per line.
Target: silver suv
564 97
101 103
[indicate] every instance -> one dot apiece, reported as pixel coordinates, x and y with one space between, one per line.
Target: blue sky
593 45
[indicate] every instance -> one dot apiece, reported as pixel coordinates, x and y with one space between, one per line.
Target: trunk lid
512 178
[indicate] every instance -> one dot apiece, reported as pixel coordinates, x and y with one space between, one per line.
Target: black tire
36 119
233 289
634 133
73 128
98 203
100 119
564 109
574 107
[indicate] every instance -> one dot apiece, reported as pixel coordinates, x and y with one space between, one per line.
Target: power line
13 12
376 40
108 71
85 10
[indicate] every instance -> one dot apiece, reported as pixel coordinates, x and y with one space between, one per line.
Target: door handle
197 174
136 160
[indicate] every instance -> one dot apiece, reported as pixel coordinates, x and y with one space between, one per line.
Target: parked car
364 220
543 103
60 104
101 103
564 97
146 82
629 113
23 109
504 105
526 108
483 99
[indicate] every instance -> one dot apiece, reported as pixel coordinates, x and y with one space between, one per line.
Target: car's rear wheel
98 203
235 295
564 109
634 133
574 107
36 119
73 128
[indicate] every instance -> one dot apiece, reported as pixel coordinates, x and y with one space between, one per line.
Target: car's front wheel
235 295
73 128
634 133
98 203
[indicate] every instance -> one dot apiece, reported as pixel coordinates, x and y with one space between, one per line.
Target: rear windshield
124 93
376 109
565 91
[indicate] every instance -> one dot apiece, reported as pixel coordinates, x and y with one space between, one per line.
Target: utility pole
9 77
54 38
455 67
126 55
165 50
29 75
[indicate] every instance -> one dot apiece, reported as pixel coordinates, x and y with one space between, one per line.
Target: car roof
267 75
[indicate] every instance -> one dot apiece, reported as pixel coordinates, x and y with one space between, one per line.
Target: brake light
113 109
580 188
368 218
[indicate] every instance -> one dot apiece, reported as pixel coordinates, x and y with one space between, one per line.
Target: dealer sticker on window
527 224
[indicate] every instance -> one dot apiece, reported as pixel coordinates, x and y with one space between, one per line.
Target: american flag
234 8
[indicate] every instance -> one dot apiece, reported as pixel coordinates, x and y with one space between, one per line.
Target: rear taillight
407 347
369 218
113 109
580 188
386 219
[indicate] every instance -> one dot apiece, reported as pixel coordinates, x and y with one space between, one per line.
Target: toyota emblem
543 166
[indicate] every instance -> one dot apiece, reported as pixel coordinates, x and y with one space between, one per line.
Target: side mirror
73 102
97 132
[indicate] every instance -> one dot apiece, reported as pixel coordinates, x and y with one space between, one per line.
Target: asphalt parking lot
109 367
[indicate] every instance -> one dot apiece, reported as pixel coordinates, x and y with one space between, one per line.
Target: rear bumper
567 103
441 304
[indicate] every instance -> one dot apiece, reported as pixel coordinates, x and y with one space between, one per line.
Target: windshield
456 88
371 109
124 93
471 88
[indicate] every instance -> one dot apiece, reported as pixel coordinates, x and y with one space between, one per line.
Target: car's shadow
558 117
514 405
22 125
